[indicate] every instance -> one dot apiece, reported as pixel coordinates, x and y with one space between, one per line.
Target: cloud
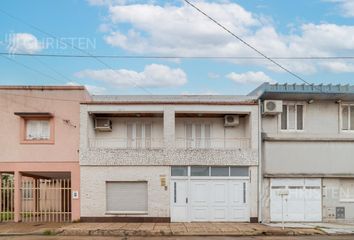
180 30
153 75
200 93
249 77
339 67
23 43
91 88
346 7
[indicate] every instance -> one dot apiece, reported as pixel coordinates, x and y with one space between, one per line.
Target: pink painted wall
63 155
66 146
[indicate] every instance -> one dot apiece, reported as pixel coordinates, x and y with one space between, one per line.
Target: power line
246 43
172 57
73 46
30 68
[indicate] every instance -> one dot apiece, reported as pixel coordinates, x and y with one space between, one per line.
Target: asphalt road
179 238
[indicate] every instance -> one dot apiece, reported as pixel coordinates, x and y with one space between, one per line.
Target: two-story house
307 152
39 158
169 158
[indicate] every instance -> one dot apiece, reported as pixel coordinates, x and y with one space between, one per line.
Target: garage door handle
186 200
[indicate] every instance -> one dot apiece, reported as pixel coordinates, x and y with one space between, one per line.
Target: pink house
39 157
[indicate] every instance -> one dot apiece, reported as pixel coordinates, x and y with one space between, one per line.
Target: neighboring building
162 158
39 158
307 152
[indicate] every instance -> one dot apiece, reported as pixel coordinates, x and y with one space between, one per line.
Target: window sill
37 142
346 200
126 213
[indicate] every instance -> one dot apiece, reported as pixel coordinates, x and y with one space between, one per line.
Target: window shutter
345 114
291 116
138 134
299 117
207 135
189 135
126 196
284 117
198 135
148 129
129 135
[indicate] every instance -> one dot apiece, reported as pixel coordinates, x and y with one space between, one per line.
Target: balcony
124 143
213 143
180 143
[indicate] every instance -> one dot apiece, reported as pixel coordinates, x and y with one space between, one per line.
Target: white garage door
218 200
208 197
302 201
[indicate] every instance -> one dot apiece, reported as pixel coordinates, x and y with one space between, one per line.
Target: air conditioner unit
103 125
231 120
272 107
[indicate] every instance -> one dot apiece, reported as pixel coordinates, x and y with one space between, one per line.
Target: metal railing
46 200
213 143
7 198
180 143
125 143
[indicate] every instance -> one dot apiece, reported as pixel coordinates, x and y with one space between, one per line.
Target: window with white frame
198 135
292 117
346 190
347 111
139 135
37 129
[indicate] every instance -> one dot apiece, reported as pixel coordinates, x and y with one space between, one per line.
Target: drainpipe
260 179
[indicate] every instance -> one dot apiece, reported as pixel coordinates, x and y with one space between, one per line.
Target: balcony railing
125 143
213 143
180 143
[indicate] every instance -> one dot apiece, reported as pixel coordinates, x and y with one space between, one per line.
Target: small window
347 117
292 117
37 129
219 171
27 192
239 171
199 171
126 197
179 171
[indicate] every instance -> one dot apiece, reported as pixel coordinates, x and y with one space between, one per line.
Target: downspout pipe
260 170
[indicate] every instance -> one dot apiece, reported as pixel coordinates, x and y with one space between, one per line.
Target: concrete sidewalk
329 228
153 229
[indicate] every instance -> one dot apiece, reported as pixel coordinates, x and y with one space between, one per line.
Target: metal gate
6 198
45 200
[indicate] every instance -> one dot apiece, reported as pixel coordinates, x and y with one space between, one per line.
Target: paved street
179 238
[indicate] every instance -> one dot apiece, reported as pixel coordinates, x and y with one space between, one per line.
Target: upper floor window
347 117
198 135
139 135
292 117
37 129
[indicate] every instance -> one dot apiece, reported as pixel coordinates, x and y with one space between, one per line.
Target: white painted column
169 127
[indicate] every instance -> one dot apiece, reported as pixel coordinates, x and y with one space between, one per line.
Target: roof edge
253 102
33 87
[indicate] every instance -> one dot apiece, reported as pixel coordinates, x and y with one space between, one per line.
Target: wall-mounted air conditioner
103 125
272 107
231 120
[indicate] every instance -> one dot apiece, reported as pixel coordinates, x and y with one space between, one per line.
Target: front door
179 200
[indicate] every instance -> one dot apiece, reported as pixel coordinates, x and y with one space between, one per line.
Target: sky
277 28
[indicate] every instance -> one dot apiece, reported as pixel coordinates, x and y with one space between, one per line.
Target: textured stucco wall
168 157
309 158
331 200
93 188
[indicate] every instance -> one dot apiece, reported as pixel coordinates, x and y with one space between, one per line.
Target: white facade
149 137
317 150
